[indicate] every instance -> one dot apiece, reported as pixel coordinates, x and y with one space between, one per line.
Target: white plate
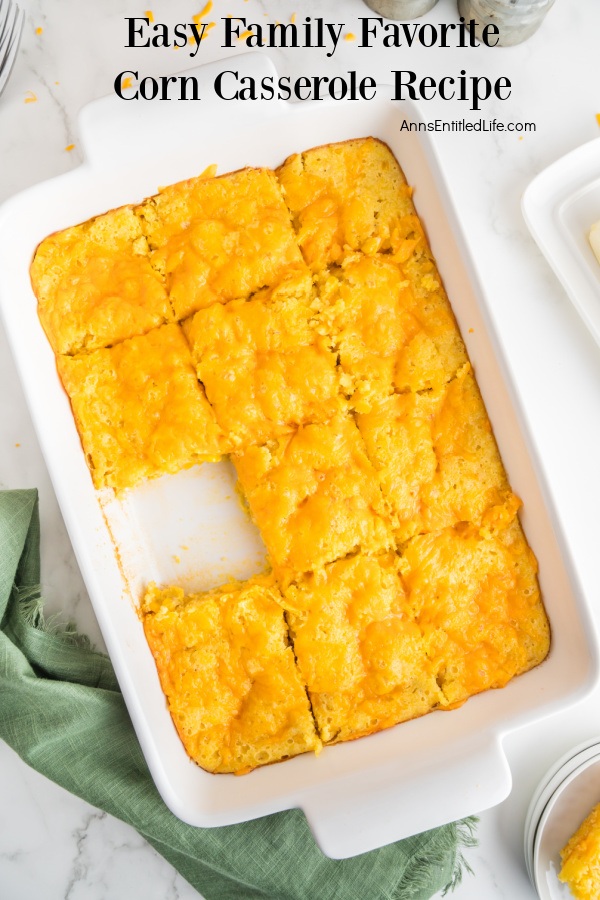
572 800
570 761
365 793
560 206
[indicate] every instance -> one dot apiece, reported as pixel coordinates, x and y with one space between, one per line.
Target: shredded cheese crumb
209 172
69 147
244 35
126 83
39 30
149 15
31 97
293 18
349 36
598 118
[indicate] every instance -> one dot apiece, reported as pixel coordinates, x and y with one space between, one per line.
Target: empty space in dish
191 529
188 529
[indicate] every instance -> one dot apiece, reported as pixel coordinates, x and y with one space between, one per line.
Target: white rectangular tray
357 795
560 205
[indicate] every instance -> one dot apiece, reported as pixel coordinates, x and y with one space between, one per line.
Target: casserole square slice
264 365
345 196
360 651
437 458
388 339
229 675
139 409
219 239
475 597
314 496
95 285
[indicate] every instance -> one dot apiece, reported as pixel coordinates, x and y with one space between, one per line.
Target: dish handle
112 127
355 819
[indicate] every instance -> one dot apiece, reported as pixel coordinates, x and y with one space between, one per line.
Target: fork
11 27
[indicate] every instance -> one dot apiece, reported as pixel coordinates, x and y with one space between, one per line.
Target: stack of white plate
562 800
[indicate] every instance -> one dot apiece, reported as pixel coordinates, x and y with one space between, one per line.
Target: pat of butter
594 238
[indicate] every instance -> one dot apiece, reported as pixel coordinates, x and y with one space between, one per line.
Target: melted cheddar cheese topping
95 284
314 496
344 196
265 367
436 456
219 239
229 674
362 654
140 409
296 320
476 600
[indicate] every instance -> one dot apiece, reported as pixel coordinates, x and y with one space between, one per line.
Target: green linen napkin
61 710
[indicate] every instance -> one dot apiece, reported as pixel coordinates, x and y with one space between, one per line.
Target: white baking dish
358 795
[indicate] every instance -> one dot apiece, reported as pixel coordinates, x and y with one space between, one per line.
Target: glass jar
516 19
401 9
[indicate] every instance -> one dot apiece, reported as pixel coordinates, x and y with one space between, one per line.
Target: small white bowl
564 798
553 778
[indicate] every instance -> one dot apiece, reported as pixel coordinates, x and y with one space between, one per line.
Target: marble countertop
53 845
